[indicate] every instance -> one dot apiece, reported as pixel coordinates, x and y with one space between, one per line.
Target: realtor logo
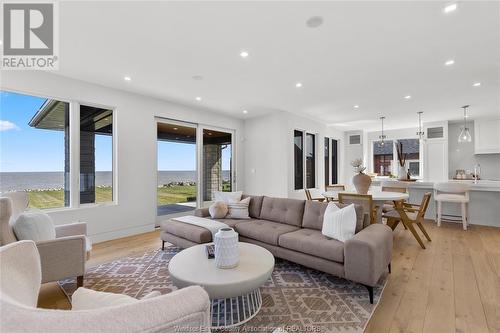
29 36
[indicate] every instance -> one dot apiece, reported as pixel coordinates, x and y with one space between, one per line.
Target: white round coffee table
235 292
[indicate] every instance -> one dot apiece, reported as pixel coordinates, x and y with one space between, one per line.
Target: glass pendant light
382 137
420 131
465 133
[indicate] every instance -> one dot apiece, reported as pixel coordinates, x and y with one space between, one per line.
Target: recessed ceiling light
477 84
197 77
356 106
244 54
175 128
314 22
127 78
245 111
407 97
449 62
198 98
450 8
298 84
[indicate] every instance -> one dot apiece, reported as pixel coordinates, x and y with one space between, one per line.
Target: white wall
269 158
461 155
135 135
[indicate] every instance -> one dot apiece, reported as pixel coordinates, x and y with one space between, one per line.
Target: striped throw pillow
238 209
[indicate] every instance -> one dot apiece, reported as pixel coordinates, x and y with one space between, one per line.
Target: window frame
395 154
304 159
74 156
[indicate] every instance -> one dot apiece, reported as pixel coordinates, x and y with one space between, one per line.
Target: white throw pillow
339 224
88 299
218 210
34 225
227 196
238 210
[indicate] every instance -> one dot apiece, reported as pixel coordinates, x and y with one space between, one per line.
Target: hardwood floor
452 286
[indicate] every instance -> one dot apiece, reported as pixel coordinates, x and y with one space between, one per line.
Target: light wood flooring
452 286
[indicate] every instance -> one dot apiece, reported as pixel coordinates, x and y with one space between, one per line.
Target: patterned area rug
296 298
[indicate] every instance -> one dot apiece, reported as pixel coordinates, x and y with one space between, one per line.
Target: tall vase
402 173
226 248
362 182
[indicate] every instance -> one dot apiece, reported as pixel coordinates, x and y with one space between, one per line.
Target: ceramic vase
226 248
402 173
361 182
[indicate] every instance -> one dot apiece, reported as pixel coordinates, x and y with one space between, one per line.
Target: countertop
481 185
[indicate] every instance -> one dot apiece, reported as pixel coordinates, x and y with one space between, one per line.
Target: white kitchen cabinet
487 136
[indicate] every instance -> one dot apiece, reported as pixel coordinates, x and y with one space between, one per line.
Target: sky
27 149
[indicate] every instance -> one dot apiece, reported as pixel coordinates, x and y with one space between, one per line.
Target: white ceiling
369 54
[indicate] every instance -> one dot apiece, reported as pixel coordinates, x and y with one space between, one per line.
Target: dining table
379 197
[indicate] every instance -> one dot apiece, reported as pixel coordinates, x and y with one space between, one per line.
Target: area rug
296 298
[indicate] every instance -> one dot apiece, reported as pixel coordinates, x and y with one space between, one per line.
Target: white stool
452 192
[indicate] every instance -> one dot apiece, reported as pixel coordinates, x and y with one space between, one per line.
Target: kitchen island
484 205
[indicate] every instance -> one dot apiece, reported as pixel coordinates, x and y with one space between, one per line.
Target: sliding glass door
193 162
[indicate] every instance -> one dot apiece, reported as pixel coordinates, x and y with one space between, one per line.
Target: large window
383 155
385 161
304 154
331 161
298 153
327 161
36 151
411 147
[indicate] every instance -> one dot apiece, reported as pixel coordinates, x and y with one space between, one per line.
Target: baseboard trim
115 234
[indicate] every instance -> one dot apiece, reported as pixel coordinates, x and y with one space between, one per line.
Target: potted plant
361 181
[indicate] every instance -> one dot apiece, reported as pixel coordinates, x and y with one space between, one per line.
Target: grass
55 198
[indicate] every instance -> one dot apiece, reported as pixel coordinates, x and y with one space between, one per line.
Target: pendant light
382 136
465 133
420 131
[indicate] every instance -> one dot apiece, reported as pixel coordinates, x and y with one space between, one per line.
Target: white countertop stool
451 192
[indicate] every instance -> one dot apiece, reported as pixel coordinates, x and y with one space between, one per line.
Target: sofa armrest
62 257
71 229
185 310
367 254
201 212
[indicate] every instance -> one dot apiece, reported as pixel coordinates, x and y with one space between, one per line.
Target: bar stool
454 193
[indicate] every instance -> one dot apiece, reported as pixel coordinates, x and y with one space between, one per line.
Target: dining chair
453 193
389 205
311 198
364 200
410 215
334 188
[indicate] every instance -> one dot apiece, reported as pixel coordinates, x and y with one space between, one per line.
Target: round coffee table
235 292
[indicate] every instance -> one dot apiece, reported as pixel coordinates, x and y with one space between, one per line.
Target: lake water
18 181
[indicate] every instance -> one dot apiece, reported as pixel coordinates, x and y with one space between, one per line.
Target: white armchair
185 310
62 257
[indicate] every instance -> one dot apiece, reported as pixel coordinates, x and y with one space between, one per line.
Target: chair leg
392 223
464 216
163 245
389 267
79 281
439 206
421 226
415 234
370 293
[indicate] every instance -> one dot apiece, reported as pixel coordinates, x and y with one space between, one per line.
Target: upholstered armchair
185 310
62 257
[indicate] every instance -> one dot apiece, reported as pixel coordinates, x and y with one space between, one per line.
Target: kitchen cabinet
487 136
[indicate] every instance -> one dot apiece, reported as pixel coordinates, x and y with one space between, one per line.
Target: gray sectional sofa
291 229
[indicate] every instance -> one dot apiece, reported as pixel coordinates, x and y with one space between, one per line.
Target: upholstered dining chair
185 310
410 215
392 186
62 257
312 196
364 200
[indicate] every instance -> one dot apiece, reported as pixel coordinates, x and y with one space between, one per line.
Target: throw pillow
227 196
218 210
34 225
339 223
239 209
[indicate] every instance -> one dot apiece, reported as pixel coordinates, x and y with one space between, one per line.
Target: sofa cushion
289 211
233 222
313 242
255 205
187 231
314 212
264 231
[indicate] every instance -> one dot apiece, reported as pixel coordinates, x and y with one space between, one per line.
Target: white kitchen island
484 205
